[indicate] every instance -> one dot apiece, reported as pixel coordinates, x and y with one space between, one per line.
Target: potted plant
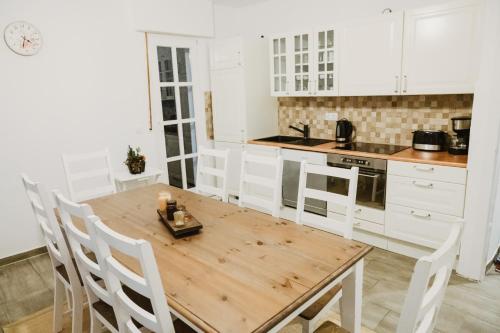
135 161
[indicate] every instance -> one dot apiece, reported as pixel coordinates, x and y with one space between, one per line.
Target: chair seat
315 308
182 327
329 327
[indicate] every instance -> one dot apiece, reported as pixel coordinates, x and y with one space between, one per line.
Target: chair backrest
149 285
342 228
89 175
272 184
423 300
52 234
208 172
81 243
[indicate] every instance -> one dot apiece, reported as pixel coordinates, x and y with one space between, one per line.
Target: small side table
126 180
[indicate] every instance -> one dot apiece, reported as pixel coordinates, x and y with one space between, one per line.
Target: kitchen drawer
427 171
379 241
418 226
359 224
440 197
360 212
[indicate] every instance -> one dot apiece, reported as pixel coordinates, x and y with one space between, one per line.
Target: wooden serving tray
188 229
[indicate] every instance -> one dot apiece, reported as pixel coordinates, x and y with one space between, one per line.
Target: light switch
331 116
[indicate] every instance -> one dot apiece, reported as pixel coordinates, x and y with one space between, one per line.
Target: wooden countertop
407 155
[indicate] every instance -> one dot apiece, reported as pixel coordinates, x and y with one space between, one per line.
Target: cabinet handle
405 83
357 223
424 215
396 89
420 168
419 184
357 210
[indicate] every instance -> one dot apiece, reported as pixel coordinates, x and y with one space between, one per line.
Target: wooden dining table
246 271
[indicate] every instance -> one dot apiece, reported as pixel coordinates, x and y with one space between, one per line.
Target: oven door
371 186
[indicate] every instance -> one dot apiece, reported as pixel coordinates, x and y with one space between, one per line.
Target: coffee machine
459 144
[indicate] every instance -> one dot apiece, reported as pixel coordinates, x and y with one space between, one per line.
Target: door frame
155 40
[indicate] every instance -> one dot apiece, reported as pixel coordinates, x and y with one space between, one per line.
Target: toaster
430 140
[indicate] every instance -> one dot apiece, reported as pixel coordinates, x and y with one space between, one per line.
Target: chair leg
95 325
77 312
59 291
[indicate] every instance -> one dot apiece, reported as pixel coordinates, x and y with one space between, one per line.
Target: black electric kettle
344 131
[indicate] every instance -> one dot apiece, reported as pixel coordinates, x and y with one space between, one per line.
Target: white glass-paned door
173 94
326 74
302 46
279 80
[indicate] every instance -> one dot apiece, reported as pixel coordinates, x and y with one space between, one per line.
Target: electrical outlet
332 116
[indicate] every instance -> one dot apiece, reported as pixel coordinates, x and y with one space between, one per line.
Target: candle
162 200
179 218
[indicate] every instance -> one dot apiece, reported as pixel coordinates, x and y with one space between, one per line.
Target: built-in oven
372 179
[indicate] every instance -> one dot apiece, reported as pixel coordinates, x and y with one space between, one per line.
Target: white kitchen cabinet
325 81
418 226
439 50
370 56
301 53
242 107
441 197
280 65
427 171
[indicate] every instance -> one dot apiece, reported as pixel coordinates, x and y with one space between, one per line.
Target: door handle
423 215
396 89
422 184
420 168
405 83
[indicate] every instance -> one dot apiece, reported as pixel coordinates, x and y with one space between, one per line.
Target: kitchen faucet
304 131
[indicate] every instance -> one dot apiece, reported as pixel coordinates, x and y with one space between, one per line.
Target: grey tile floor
26 287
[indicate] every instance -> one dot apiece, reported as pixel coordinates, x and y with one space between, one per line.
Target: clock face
23 38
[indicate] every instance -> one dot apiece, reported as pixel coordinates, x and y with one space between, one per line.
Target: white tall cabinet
242 107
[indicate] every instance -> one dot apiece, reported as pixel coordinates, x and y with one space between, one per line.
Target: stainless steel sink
295 140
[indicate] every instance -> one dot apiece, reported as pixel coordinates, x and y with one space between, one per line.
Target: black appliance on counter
344 131
460 142
430 140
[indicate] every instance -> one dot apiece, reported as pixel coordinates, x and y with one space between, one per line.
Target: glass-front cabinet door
279 64
302 46
326 70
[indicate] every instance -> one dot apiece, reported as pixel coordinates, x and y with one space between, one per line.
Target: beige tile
19 279
475 325
28 304
43 267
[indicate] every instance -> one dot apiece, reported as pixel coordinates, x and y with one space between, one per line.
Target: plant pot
136 167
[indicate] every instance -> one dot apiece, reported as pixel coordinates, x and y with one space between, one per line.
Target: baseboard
22 256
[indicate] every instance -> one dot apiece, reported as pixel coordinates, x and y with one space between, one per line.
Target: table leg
351 301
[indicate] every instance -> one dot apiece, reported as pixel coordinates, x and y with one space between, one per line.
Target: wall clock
23 38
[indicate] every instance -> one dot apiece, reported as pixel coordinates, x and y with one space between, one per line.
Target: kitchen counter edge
407 155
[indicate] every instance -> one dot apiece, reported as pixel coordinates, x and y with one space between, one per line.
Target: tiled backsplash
378 119
209 115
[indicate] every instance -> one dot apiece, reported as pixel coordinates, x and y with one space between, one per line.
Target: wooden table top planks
245 272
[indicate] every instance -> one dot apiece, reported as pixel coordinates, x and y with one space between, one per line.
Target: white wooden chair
271 184
156 316
89 175
100 297
66 279
311 316
208 174
424 299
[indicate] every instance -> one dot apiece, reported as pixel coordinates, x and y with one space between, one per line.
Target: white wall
494 228
85 90
185 17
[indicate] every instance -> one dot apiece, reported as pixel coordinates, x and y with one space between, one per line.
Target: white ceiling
237 3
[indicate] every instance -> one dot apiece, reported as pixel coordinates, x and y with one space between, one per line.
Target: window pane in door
171 140
191 165
283 65
187 104
165 64
276 65
329 38
189 134
168 103
282 45
283 83
175 173
275 46
305 42
296 40
184 65
276 83
321 40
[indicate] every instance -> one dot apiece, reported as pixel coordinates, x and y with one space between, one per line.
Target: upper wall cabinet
370 56
422 51
304 64
440 47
